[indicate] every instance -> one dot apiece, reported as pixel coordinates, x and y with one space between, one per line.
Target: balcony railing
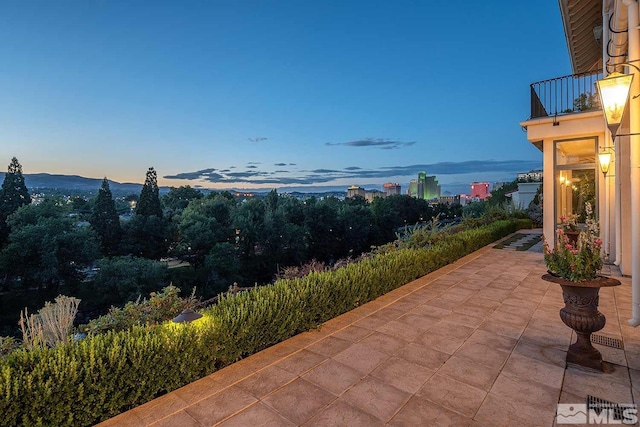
565 95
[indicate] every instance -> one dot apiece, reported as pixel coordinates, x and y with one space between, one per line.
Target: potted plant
569 226
575 265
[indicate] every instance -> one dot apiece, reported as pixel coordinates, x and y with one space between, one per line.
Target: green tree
105 220
13 195
126 278
178 198
149 202
46 247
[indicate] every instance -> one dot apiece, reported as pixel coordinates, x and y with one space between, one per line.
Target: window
575 173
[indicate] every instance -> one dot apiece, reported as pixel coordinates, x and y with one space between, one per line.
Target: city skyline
248 95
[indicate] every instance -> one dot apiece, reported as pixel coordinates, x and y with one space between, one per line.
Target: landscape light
187 316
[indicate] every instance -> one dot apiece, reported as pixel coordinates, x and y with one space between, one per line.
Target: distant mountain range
35 181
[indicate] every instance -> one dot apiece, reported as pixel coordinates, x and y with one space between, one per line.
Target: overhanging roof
579 18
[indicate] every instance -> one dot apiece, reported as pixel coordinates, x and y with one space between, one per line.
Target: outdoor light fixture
187 316
562 180
605 161
614 92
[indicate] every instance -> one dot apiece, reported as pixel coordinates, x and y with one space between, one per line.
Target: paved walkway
478 343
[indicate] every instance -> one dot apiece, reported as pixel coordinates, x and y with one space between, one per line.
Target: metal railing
565 95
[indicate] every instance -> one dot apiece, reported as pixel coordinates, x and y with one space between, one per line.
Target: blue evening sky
251 94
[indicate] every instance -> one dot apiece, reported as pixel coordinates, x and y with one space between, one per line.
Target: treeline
222 239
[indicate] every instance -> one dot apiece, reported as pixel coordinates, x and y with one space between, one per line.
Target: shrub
160 307
98 377
51 325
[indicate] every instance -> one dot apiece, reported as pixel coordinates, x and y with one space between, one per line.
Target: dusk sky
255 94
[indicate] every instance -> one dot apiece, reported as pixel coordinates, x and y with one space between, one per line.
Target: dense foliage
88 381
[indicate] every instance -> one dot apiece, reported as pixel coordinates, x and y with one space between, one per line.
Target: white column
634 141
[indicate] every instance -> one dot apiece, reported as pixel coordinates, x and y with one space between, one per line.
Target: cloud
292 164
258 139
254 163
280 164
381 143
252 167
355 173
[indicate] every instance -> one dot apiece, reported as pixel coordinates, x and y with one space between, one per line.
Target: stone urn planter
581 314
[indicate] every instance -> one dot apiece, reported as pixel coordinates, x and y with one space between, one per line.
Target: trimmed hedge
94 379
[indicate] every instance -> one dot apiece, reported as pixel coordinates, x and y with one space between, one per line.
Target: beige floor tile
469 372
402 374
423 355
615 387
256 415
496 411
299 400
352 333
452 394
181 419
329 346
499 342
376 398
418 321
361 357
266 381
471 309
198 390
159 408
450 329
341 414
501 328
522 367
483 354
464 319
221 405
301 361
333 376
420 411
384 343
524 392
440 342
431 309
372 322
401 330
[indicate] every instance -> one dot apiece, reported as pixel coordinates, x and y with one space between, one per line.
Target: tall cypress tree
12 195
149 202
105 220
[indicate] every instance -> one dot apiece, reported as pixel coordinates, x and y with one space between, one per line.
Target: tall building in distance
480 190
425 187
354 191
413 188
390 189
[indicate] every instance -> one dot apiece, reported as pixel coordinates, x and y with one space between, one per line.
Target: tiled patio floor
479 343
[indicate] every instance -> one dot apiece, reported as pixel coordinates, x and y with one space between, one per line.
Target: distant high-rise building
432 188
354 191
413 188
390 189
480 190
372 194
425 187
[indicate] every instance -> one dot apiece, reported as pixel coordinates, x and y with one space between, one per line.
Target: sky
264 94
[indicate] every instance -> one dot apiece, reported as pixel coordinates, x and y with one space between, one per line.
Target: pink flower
559 231
568 246
573 267
574 251
598 242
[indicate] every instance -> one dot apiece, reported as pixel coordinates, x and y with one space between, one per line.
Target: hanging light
605 161
187 316
614 92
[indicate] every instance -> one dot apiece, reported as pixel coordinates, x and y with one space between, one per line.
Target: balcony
575 93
